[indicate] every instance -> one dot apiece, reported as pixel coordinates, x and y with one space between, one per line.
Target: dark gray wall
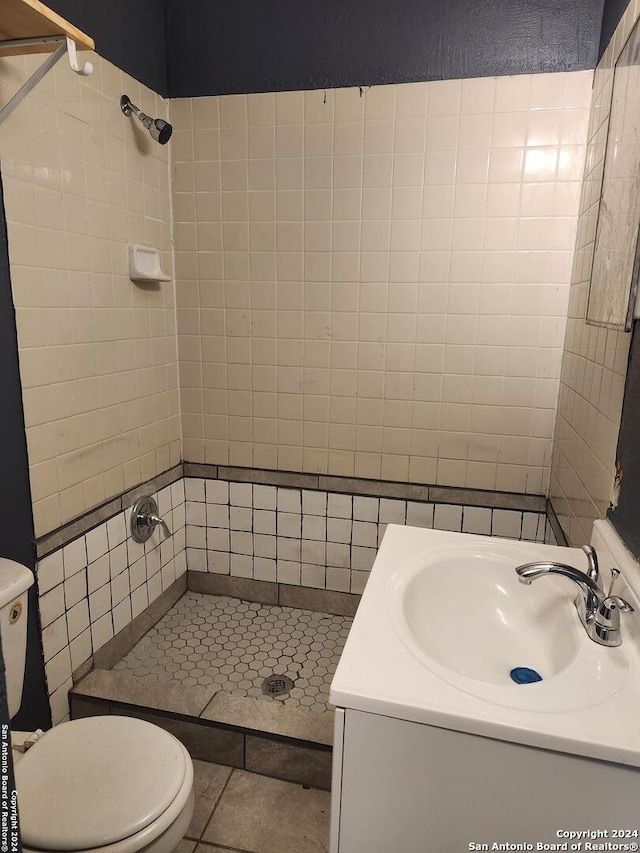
613 11
252 46
188 48
16 532
129 33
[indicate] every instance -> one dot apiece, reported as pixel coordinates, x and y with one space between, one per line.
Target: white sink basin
444 620
464 609
461 610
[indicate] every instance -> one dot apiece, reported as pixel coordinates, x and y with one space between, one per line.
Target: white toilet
97 785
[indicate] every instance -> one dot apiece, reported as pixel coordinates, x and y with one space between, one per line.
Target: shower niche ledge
144 264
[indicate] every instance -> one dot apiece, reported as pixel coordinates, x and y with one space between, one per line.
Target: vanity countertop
590 708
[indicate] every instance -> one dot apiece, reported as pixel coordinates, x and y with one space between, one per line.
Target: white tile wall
98 356
373 286
594 362
95 586
319 539
366 285
377 285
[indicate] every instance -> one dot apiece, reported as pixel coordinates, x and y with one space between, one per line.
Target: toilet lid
96 781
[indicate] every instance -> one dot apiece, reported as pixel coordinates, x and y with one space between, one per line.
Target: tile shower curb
267 717
56 539
292 743
238 731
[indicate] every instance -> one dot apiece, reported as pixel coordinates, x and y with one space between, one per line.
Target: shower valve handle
145 518
156 520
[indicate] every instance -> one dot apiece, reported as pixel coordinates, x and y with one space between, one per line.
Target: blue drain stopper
524 675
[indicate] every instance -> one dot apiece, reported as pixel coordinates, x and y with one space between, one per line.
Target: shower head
159 129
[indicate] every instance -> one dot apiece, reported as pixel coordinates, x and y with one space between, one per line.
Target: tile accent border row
369 488
322 482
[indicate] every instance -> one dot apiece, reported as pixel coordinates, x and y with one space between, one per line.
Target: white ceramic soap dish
144 264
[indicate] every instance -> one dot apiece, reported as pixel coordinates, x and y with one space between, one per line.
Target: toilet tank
15 581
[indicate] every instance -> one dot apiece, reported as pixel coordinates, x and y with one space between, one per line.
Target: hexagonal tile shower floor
234 645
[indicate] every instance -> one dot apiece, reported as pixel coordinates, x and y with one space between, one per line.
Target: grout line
222 847
218 801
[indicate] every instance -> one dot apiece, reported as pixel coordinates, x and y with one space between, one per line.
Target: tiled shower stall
100 583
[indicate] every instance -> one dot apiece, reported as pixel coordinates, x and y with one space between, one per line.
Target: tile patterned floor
240 812
234 645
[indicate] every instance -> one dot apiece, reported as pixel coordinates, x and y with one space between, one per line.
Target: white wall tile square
80 648
264 569
338 530
75 589
447 517
101 631
477 520
98 573
218 491
58 670
52 605
418 514
74 556
288 572
50 572
140 600
339 506
506 523
392 511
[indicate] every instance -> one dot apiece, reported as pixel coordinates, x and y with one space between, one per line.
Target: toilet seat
62 779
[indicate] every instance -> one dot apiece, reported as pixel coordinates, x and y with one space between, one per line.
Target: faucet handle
621 603
606 624
615 574
612 605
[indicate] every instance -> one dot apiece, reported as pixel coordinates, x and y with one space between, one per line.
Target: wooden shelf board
20 19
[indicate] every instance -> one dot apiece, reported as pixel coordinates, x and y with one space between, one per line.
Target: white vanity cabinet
437 749
405 787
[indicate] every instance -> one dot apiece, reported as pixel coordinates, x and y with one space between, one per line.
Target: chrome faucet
599 611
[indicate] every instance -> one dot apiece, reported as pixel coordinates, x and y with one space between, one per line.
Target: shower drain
277 685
